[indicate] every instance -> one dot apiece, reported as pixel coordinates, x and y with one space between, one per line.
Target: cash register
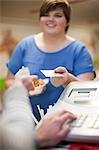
82 99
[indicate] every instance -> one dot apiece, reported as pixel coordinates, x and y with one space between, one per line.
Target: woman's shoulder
28 38
75 41
70 39
25 41
77 45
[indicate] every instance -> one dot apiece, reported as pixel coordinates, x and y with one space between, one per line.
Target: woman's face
54 22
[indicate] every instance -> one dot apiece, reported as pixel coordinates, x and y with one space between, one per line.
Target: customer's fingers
64 131
29 82
63 112
60 112
67 118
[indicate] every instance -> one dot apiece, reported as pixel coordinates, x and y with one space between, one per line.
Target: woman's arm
68 77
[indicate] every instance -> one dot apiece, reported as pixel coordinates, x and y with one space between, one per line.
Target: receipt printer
81 93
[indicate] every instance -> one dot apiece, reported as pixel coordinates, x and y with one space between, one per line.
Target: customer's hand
60 80
53 128
27 82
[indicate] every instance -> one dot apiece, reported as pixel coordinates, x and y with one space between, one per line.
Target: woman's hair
49 5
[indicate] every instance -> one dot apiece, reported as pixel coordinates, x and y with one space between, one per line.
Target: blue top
74 57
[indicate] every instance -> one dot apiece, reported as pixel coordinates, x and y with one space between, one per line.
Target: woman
50 49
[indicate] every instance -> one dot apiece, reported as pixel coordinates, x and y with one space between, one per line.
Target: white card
51 73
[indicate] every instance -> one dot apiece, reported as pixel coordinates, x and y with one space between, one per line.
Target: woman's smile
54 20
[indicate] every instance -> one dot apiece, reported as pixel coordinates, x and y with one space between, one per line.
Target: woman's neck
51 43
52 39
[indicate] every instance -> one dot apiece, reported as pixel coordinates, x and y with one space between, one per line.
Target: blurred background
20 18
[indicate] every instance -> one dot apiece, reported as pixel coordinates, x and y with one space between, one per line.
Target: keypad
91 121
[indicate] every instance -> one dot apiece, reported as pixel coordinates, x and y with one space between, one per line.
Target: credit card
51 73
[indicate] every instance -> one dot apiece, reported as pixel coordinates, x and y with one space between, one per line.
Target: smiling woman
49 49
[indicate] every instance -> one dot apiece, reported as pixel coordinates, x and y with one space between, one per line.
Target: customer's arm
18 126
17 122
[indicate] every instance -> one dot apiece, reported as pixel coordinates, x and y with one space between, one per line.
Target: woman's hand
67 77
60 80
